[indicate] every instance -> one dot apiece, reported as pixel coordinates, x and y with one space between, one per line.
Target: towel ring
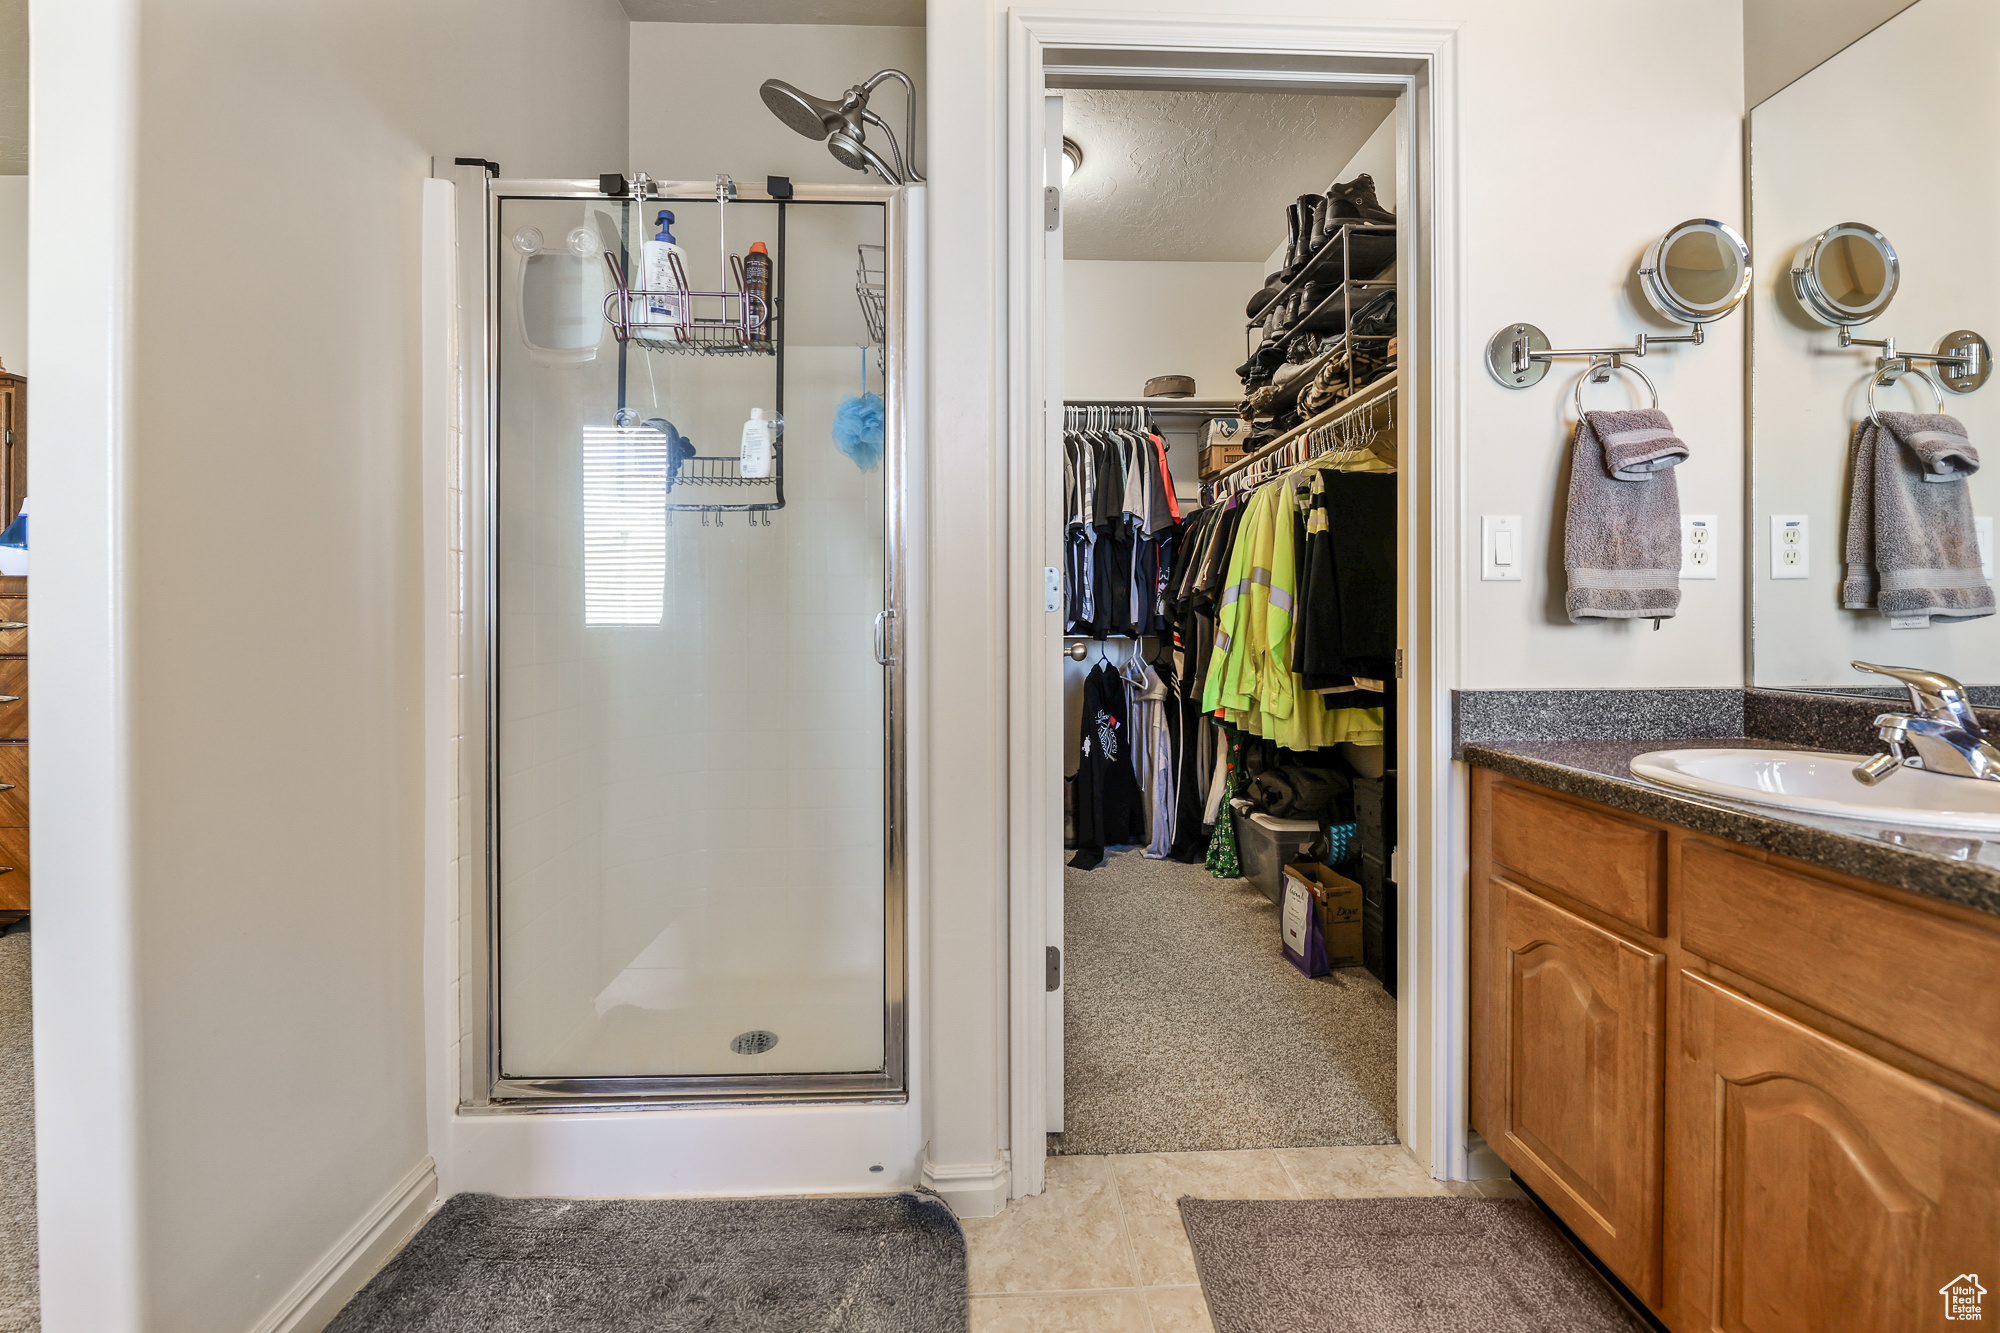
1896 371
1612 363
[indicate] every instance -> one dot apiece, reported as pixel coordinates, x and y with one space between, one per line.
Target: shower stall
683 629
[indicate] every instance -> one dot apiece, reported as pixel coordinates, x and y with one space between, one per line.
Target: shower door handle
882 619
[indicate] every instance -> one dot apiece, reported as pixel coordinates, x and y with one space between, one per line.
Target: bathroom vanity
1764 1089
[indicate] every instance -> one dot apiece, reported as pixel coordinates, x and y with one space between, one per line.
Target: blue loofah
857 430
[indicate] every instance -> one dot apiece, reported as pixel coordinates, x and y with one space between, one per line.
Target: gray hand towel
1938 441
1637 443
1621 538
1912 549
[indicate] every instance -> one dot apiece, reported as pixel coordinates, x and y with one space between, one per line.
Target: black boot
1312 224
1359 194
1293 242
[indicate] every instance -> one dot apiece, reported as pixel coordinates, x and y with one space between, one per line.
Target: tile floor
1101 1249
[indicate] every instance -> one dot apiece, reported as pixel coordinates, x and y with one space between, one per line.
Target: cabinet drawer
1607 863
14 710
14 611
13 786
1922 982
14 877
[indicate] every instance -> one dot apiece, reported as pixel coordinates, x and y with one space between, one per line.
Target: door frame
1420 60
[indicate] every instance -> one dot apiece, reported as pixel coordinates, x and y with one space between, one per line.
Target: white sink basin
1818 783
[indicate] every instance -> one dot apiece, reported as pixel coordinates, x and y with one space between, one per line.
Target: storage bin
1265 846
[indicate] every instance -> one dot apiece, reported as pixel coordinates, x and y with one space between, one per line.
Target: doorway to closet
1223 285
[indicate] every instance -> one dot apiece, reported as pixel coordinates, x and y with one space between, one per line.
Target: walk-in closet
1222 958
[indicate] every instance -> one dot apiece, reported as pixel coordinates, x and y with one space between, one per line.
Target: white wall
1125 321
14 273
228 698
1377 160
1782 39
1541 241
1818 145
695 109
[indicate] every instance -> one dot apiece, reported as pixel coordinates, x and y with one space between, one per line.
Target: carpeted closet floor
1185 1029
20 1308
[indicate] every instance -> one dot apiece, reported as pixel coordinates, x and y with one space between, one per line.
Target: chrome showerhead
843 124
814 117
848 149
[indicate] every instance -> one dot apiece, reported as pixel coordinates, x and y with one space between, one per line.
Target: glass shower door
693 880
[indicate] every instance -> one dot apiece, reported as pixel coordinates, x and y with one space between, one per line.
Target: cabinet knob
10 698
13 624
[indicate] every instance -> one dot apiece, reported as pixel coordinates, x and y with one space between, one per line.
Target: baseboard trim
345 1268
977 1190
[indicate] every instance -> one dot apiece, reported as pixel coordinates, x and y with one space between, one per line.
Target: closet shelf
1365 398
1328 252
1340 296
1193 406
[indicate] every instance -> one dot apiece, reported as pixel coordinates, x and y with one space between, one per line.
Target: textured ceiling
861 13
1201 175
13 87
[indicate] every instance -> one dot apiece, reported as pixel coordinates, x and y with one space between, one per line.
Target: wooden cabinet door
1571 1098
1814 1189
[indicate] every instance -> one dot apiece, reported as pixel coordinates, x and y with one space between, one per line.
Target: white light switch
1698 546
1791 547
1500 552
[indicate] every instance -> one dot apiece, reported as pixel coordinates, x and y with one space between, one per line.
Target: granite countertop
1961 868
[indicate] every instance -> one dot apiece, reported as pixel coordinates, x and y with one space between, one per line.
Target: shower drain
753 1043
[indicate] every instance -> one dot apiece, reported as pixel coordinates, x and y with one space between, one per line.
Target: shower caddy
745 326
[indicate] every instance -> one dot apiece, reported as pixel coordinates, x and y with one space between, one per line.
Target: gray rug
886 1264
20 1300
1184 1028
1394 1266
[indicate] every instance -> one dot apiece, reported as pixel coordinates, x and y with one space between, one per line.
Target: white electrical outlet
1501 556
1791 547
1983 529
1699 551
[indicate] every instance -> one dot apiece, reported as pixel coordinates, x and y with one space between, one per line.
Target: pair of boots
1309 221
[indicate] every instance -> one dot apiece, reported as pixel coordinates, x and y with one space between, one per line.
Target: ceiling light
1072 158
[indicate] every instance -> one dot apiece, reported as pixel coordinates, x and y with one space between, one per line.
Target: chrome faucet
1942 729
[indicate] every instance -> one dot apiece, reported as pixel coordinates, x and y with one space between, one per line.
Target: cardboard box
1219 456
1338 900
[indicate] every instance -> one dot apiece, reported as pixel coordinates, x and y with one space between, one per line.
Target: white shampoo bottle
666 306
756 458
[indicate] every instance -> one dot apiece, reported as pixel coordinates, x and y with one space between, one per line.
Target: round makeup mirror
1846 275
1696 273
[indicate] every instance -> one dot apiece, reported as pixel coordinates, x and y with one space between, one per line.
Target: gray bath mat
889 1264
1394 1266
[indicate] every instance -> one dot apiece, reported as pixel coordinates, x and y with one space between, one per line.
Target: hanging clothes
1304 603
1109 808
1121 530
1153 752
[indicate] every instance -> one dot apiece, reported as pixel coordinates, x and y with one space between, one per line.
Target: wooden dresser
1765 1094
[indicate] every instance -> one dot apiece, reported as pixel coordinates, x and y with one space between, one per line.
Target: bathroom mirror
1838 145
1846 275
1697 272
